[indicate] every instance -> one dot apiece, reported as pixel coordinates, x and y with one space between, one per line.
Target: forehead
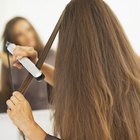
21 25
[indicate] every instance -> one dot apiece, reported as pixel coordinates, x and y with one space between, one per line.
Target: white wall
128 12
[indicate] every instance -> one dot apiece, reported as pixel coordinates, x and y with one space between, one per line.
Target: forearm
35 132
48 71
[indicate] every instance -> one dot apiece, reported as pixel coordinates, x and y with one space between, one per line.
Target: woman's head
97 76
20 31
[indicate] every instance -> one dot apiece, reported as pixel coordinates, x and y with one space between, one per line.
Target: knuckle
7 102
15 93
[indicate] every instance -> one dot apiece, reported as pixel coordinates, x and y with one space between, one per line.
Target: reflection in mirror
21 32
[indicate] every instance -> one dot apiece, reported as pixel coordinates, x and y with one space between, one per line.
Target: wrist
35 132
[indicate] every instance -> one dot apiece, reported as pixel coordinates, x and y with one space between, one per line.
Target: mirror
30 27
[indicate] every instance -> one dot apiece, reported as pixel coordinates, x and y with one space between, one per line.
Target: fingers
14 100
10 104
20 52
19 96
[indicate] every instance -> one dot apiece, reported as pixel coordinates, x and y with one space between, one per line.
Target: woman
20 31
96 79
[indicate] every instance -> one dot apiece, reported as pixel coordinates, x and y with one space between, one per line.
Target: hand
24 51
20 113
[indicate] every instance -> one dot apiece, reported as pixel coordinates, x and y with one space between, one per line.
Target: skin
19 109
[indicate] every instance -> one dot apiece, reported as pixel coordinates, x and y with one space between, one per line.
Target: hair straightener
27 63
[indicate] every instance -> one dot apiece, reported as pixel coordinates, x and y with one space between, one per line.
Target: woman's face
24 34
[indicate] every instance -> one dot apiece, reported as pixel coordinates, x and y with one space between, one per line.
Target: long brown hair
97 76
8 35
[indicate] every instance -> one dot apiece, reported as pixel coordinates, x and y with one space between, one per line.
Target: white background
44 14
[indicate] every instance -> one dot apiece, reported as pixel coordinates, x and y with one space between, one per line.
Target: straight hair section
97 76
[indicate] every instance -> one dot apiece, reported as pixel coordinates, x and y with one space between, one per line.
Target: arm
37 133
48 71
